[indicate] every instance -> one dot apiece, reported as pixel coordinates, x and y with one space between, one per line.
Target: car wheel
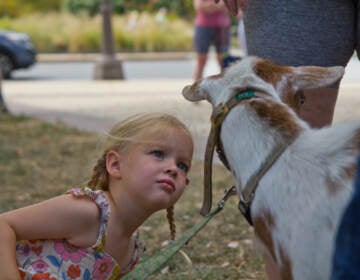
6 65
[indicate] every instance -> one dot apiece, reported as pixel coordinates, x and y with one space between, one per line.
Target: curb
92 57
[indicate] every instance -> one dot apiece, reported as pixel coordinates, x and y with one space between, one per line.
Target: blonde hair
126 133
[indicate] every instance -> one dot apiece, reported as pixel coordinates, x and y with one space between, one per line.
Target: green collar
244 95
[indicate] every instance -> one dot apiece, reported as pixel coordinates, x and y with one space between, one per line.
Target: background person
90 232
212 27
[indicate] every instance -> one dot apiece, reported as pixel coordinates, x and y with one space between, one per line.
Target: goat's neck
250 133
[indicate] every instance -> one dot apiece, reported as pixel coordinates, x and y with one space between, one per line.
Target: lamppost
107 67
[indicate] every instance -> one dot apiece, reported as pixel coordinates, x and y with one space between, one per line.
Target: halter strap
246 196
217 117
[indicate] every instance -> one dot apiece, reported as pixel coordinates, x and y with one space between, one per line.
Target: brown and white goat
299 201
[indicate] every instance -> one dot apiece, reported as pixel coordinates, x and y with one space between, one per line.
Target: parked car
16 52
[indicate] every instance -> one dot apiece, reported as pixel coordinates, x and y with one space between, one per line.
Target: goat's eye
302 98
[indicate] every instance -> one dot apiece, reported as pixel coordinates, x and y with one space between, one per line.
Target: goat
297 202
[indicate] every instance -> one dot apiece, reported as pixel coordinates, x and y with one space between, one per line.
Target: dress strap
99 198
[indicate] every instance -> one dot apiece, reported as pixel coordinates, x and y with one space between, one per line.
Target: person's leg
201 59
201 45
304 32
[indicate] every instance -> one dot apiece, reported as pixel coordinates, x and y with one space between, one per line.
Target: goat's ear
193 92
306 77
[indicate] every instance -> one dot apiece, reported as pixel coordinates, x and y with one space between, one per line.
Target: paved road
148 69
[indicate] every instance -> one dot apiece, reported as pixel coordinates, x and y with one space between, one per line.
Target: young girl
90 233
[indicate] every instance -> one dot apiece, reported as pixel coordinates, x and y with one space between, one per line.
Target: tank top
58 259
217 19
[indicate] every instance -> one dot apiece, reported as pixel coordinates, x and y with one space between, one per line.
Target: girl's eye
157 153
184 167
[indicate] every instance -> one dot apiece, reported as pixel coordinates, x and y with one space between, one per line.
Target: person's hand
234 5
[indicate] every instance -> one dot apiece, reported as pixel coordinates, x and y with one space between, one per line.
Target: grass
40 160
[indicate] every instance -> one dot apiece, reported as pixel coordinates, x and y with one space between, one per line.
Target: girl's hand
234 5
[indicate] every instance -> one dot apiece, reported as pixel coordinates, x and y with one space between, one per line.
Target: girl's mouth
168 185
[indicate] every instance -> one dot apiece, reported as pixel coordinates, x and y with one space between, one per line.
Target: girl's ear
187 181
113 164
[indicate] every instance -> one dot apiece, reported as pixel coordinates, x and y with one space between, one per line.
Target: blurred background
75 25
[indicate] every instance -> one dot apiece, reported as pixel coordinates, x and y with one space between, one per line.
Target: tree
15 8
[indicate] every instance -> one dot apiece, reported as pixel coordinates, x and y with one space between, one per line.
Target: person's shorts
204 37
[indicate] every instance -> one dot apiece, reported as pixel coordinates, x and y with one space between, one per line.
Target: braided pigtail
170 218
99 178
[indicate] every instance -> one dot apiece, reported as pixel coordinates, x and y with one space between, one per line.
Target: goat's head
281 82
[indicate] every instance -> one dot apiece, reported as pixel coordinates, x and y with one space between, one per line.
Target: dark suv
16 52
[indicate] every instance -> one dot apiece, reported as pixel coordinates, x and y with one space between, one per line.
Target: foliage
77 6
15 8
64 32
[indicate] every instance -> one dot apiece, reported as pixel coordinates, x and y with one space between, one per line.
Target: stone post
107 67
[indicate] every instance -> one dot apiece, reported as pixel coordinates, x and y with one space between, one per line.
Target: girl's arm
8 265
63 217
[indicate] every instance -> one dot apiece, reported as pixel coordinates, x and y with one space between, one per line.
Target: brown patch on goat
264 226
273 74
289 98
294 100
334 186
277 116
286 267
350 171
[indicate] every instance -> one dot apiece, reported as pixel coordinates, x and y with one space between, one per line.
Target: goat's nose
192 92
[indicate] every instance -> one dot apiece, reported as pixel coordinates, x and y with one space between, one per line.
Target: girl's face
155 173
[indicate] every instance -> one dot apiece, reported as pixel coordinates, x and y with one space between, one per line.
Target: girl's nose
171 168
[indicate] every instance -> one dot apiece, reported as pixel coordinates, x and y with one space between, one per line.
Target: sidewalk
97 105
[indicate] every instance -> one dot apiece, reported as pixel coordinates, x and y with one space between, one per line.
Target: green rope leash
152 264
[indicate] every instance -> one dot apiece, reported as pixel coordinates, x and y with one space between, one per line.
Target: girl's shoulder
98 197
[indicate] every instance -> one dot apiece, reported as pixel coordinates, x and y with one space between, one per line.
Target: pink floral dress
57 259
